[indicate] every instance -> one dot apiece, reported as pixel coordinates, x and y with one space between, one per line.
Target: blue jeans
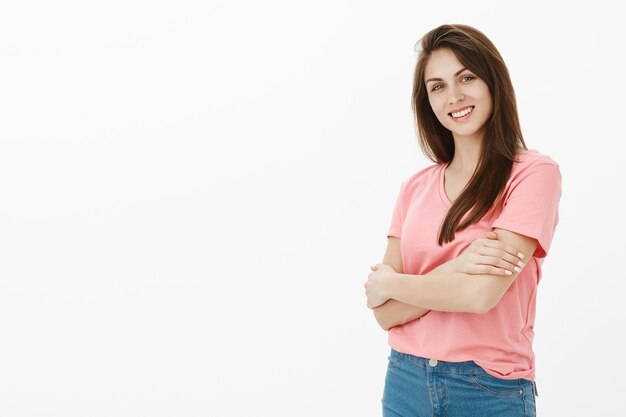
422 387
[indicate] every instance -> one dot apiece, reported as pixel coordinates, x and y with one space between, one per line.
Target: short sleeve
531 207
398 214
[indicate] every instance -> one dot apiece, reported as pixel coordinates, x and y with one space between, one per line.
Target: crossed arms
415 295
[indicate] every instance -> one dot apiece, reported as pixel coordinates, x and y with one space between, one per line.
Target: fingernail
518 269
520 254
521 264
508 272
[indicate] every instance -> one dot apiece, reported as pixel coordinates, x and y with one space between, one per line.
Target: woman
468 236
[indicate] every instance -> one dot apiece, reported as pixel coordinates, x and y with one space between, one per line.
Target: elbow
484 298
381 322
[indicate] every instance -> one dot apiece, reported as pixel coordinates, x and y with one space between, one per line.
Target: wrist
391 285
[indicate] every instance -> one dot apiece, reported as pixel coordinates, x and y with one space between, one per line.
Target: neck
466 154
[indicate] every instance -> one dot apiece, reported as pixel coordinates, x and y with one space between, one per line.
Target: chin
465 132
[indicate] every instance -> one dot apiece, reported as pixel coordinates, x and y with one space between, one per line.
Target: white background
192 194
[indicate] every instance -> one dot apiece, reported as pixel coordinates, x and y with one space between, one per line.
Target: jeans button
432 362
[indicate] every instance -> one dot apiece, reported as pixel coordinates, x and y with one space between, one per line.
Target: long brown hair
502 132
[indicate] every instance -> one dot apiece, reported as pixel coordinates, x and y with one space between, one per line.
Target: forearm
395 313
450 292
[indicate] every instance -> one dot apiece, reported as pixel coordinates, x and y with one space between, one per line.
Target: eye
471 77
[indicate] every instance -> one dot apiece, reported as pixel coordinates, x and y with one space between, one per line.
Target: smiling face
453 89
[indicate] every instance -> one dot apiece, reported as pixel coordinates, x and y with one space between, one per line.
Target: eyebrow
439 79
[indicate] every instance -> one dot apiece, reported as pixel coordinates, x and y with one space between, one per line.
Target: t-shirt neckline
442 192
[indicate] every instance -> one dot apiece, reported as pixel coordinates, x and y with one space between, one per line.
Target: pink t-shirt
499 341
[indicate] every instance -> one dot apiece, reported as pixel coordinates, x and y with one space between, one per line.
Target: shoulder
532 162
534 175
532 158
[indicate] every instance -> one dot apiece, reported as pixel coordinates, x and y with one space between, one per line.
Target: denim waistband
435 365
432 365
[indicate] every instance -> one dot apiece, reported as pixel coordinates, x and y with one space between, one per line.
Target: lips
460 109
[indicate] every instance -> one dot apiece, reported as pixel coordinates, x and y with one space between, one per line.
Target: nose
455 96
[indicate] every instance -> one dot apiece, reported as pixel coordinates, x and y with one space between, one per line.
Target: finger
496 257
492 235
490 270
506 251
499 263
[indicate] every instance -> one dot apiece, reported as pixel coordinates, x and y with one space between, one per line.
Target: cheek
487 103
484 94
483 97
437 104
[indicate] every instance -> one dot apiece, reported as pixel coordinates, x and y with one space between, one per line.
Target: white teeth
463 112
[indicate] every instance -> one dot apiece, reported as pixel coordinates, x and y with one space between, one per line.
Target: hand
488 256
377 285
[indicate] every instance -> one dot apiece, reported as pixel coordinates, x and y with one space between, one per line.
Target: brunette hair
502 132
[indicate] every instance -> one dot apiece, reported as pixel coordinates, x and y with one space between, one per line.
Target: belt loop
535 389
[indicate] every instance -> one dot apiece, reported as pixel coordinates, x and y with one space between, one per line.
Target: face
455 89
